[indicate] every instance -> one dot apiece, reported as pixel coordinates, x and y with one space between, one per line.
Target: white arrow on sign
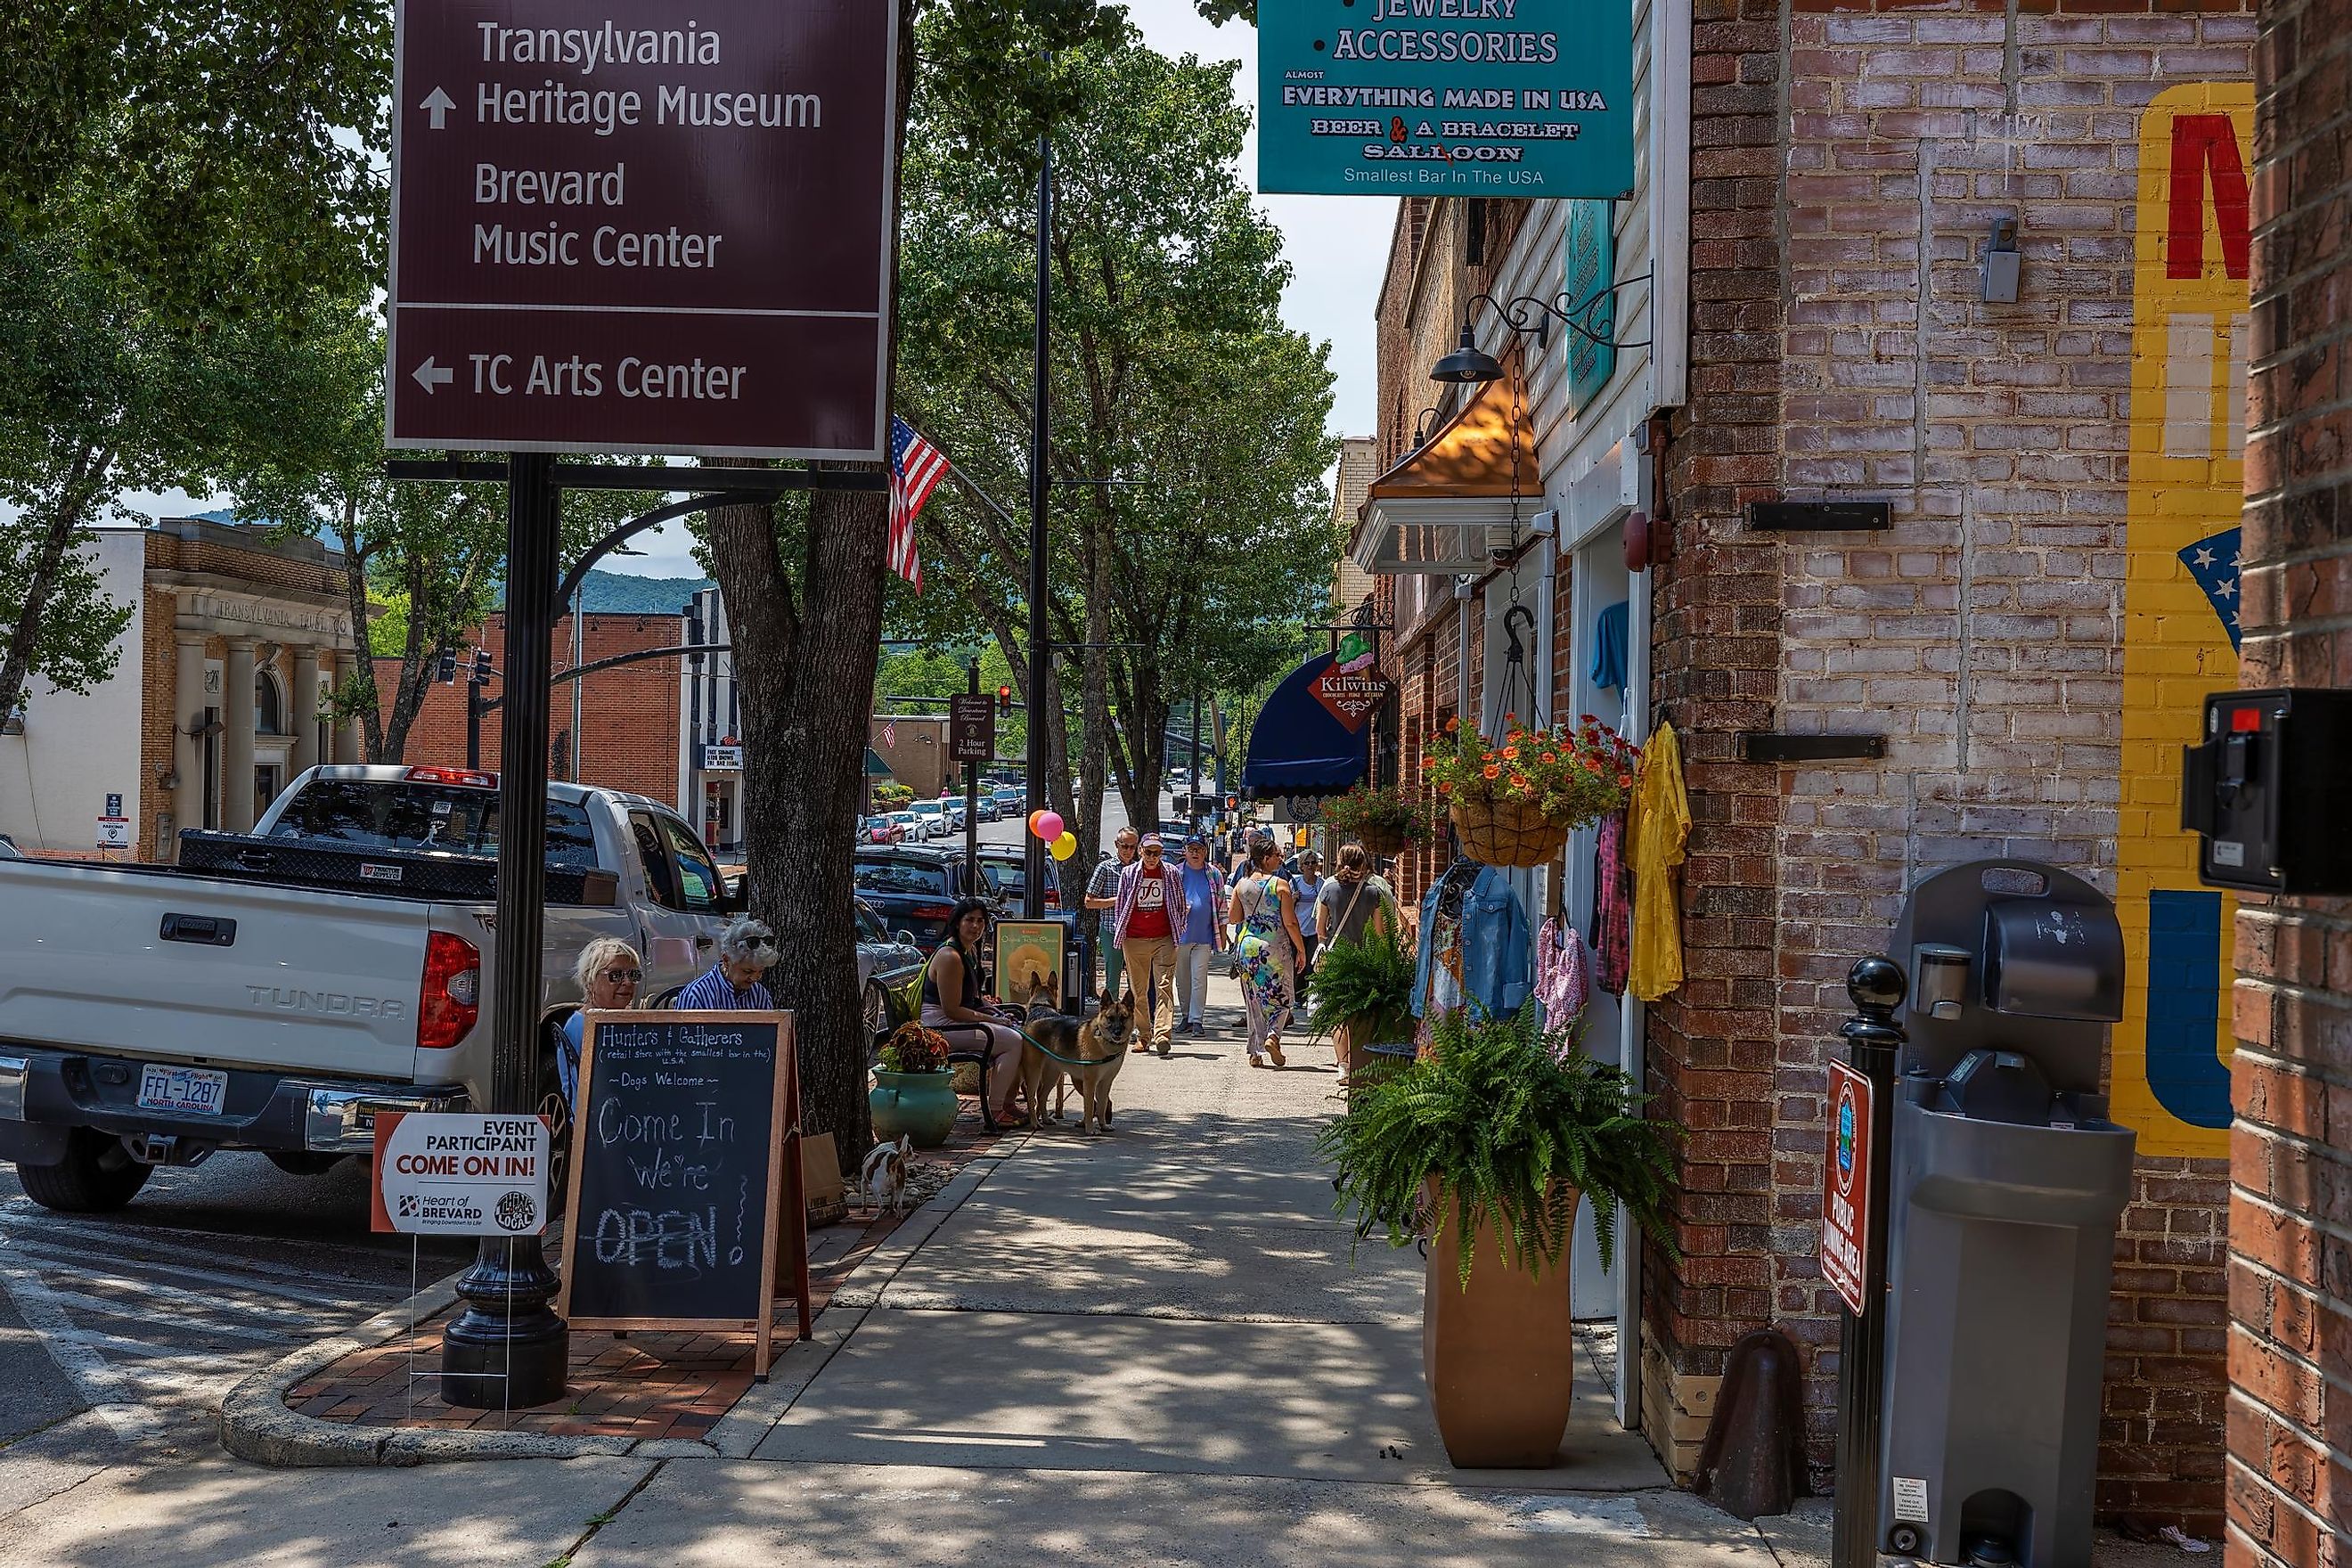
438 104
430 375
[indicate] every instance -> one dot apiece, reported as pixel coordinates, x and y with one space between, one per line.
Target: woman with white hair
745 952
607 972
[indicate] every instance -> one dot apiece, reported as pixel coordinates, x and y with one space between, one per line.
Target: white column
348 748
302 708
187 751
236 737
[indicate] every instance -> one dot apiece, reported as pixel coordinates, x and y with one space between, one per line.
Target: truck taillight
462 778
449 999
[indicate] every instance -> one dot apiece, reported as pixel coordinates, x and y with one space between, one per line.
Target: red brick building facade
2011 661
2290 1271
629 727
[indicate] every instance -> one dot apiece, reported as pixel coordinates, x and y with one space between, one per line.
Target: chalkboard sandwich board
678 1158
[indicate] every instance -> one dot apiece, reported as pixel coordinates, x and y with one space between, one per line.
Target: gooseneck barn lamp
1469 365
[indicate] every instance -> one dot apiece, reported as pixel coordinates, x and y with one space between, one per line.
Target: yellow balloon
1066 846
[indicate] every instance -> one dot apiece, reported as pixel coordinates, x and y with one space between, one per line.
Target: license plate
193 1091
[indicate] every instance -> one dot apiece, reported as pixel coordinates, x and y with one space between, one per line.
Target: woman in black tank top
954 970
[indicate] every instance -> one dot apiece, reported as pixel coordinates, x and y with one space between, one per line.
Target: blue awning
1298 746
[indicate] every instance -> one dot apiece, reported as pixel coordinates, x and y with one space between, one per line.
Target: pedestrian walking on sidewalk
1102 893
1203 934
747 951
1150 912
1266 919
1305 889
955 1005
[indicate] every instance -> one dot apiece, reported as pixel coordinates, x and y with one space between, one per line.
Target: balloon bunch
1049 827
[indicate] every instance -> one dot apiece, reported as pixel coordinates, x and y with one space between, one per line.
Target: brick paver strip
643 1385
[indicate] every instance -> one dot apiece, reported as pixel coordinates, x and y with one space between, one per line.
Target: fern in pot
1483 1146
1363 992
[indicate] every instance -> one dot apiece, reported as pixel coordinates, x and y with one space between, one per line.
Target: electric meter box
2269 792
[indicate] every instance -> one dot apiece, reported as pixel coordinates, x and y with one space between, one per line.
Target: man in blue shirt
1203 933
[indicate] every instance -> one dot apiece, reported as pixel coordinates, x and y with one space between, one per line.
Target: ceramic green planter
922 1105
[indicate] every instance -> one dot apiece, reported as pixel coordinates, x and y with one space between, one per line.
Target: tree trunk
73 501
801 676
364 655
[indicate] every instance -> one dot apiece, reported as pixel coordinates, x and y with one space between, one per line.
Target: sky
1338 247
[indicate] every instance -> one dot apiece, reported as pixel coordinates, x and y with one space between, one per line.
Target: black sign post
1874 1040
972 741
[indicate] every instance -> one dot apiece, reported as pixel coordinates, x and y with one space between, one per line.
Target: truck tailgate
309 980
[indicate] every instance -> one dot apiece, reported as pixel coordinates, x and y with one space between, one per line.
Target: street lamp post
1035 864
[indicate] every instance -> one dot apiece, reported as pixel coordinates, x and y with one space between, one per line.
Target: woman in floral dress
1266 913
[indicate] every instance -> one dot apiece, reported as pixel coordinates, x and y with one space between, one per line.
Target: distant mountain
616 594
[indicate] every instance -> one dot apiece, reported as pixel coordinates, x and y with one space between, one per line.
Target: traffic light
448 667
481 667
1004 700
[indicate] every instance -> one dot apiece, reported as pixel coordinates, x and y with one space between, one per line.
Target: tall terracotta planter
1500 1356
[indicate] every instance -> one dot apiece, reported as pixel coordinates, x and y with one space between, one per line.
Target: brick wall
2290 1490
629 716
159 663
1715 656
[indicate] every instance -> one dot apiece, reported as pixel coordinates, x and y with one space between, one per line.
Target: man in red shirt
1150 913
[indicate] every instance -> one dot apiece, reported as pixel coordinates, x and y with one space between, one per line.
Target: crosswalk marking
187 1271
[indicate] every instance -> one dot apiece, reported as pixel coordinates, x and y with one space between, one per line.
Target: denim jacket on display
1497 951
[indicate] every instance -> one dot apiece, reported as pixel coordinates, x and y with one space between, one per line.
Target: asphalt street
149 1314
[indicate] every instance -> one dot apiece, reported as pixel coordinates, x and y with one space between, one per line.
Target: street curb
256 1424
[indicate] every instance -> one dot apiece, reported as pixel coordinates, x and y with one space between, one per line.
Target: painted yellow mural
2190 320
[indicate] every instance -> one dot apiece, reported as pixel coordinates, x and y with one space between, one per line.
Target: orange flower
1427 764
1453 724
1511 719
1551 756
1624 781
1518 781
1492 770
1443 788
1512 753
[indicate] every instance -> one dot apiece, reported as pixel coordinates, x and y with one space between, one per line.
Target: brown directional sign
971 729
641 225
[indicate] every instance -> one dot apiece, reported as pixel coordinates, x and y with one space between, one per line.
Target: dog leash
1067 1061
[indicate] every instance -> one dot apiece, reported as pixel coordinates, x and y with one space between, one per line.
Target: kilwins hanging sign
1351 695
1507 98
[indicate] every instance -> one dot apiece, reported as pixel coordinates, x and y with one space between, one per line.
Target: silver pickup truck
273 991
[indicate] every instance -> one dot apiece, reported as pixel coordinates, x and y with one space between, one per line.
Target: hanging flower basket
1507 832
1383 843
1383 820
1516 801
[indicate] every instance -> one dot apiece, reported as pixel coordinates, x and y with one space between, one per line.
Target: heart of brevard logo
1846 1131
1351 695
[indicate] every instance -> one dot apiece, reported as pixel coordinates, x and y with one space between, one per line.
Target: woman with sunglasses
608 972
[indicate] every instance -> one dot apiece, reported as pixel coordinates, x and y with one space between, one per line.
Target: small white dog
882 1180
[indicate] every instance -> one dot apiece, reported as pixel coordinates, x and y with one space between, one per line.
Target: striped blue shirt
713 993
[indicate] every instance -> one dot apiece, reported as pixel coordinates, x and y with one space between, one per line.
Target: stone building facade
2009 664
2290 1267
218 701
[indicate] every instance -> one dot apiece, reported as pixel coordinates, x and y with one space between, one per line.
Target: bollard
1874 1039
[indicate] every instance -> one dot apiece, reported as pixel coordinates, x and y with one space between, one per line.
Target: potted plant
1515 801
913 1091
1483 1146
1363 992
1383 821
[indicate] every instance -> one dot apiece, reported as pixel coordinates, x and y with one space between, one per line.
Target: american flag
916 470
2213 562
889 732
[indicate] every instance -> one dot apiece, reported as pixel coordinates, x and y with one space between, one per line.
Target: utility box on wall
2269 792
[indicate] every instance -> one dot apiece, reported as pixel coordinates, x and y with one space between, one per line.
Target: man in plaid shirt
1102 893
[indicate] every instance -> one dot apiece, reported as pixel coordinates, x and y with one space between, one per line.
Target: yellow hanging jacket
1656 828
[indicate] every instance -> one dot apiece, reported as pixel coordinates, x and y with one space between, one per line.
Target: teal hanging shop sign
1454 97
1588 269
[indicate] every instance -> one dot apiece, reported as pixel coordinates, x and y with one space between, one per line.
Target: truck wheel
304 1161
97 1176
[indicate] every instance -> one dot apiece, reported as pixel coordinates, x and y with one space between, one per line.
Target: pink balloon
1049 825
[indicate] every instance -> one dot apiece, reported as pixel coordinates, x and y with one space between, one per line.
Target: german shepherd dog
1101 1043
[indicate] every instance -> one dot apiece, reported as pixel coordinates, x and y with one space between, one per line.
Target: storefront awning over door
1445 507
1298 746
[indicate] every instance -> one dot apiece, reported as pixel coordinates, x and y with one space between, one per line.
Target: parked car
986 807
889 972
910 826
1010 802
880 830
951 808
934 817
1008 874
274 991
913 887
